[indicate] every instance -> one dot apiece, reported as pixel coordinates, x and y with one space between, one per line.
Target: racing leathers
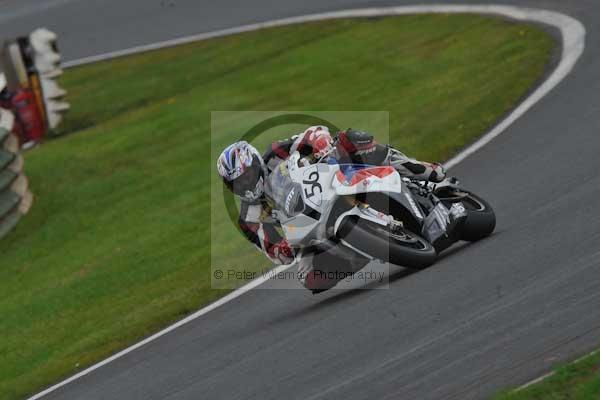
257 225
255 219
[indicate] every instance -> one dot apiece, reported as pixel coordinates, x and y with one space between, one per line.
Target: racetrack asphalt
486 316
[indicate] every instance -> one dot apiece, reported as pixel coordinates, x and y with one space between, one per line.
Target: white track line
534 381
573 36
552 373
236 293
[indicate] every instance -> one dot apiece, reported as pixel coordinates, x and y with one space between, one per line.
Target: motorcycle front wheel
399 246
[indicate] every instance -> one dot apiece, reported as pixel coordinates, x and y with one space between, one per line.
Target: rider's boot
321 270
457 216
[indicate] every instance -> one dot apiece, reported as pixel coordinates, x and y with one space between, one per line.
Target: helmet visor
248 180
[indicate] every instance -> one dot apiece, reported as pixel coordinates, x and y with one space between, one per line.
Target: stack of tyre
15 197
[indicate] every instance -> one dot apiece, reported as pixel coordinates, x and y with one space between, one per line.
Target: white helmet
243 170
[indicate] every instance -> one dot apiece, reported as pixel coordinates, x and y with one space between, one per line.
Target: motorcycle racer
244 172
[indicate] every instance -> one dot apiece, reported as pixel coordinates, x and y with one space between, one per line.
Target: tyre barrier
29 69
15 197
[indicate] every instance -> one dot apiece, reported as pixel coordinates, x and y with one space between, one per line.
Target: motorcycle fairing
345 180
366 180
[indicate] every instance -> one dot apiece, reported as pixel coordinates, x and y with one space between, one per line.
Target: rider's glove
319 138
281 253
322 146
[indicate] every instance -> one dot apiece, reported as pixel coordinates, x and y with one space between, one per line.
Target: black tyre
400 247
481 219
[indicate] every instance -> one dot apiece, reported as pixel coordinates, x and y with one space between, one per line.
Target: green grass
117 243
577 381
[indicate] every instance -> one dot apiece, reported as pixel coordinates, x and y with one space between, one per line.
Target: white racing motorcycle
338 217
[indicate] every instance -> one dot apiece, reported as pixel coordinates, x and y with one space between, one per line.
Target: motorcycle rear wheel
400 247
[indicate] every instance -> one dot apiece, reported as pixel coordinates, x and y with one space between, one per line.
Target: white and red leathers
352 147
255 221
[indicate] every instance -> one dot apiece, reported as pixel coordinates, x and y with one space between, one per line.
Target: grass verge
117 243
576 381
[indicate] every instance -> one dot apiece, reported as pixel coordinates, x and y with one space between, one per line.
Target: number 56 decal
312 188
